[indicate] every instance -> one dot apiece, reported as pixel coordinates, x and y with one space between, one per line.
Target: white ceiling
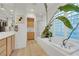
23 8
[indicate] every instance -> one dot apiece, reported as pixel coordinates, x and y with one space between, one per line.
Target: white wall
52 8
21 36
41 23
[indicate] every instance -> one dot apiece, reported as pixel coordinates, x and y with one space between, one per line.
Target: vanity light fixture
11 10
32 10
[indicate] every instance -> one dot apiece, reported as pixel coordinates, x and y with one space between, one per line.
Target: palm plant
65 20
67 8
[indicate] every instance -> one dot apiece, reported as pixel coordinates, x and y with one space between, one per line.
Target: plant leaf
69 7
65 21
46 32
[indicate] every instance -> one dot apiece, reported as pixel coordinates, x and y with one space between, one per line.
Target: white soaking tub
55 47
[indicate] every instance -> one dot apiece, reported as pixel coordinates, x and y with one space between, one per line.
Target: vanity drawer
3 47
3 50
2 42
3 53
9 45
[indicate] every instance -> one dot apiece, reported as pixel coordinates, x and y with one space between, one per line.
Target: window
59 26
74 19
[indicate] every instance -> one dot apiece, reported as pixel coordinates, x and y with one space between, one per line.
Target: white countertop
6 34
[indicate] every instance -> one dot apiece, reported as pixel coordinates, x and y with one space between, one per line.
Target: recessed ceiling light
11 10
2 8
32 10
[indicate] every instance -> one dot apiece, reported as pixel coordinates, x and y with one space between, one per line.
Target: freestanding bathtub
55 47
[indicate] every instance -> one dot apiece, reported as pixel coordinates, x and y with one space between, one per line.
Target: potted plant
47 33
66 8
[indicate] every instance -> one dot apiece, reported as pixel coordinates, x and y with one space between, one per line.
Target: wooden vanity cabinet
3 47
13 42
7 45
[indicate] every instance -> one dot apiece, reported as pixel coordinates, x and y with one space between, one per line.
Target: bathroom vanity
7 43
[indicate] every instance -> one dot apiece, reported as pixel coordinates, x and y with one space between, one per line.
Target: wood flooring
32 49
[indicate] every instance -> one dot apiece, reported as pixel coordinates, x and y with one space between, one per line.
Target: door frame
33 28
